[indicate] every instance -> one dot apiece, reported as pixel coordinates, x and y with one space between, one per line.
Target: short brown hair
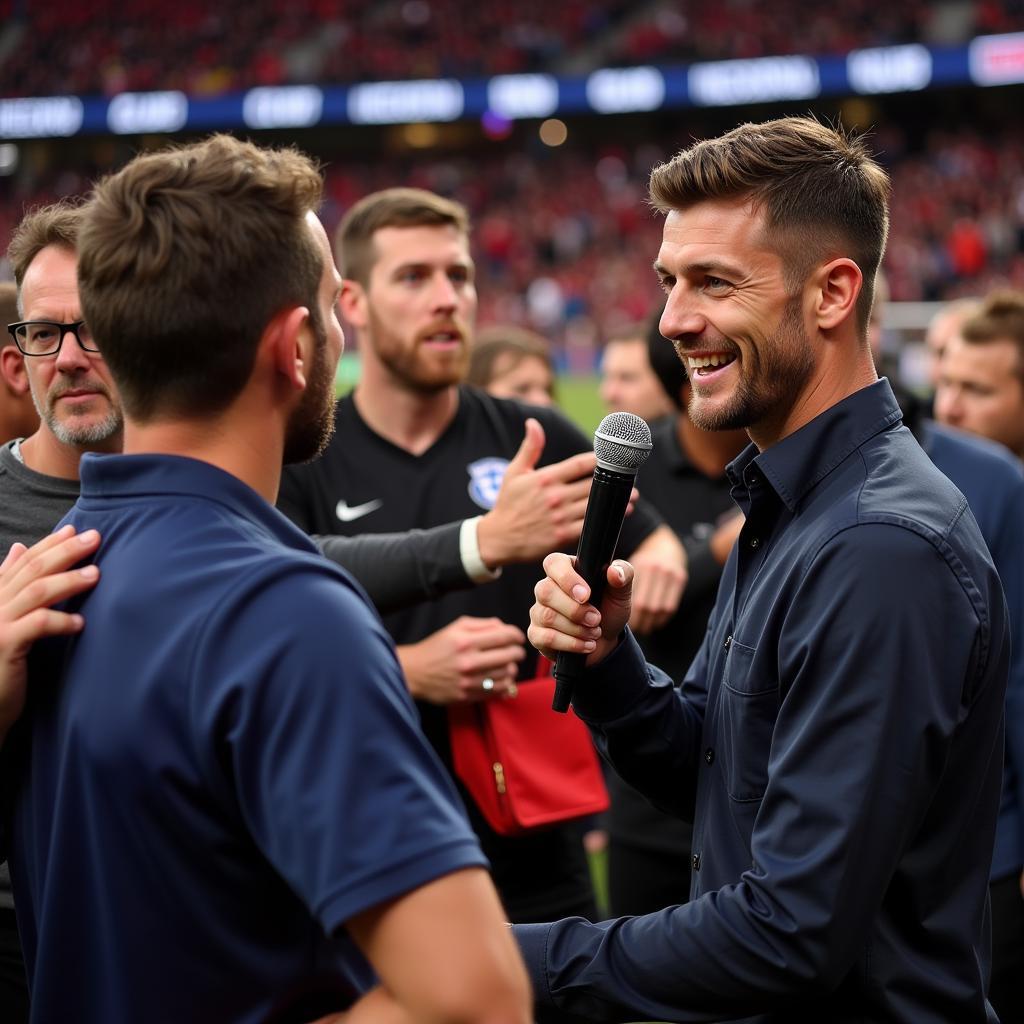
1000 317
57 224
822 193
499 340
390 208
185 255
8 309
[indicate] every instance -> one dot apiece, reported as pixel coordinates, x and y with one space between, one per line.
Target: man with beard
211 813
80 409
838 738
79 412
415 448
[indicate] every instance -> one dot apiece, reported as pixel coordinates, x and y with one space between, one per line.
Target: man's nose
682 315
444 293
71 358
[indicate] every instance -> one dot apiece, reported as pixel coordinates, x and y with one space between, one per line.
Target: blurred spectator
945 326
628 384
981 377
510 362
18 416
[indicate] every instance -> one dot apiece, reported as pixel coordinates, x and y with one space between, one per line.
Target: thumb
529 451
620 584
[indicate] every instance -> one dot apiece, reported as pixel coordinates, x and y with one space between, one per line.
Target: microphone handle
606 509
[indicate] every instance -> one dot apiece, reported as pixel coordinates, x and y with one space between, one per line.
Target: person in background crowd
18 416
265 882
415 447
839 735
980 391
512 362
981 376
628 383
942 328
684 479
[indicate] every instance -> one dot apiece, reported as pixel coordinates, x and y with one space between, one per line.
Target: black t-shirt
693 504
364 483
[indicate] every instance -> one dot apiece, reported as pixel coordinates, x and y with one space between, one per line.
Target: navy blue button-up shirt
838 739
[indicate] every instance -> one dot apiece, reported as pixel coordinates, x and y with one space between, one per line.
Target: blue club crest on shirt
485 476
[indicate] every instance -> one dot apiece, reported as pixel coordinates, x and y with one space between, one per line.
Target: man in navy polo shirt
838 739
219 806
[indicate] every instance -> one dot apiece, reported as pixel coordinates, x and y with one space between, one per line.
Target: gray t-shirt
31 505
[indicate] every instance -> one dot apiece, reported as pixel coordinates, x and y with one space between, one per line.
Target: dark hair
821 192
665 361
184 256
999 317
57 224
504 339
390 208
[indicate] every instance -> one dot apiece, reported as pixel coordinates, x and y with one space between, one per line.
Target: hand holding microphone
622 443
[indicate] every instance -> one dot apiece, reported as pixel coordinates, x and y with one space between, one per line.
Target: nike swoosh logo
347 515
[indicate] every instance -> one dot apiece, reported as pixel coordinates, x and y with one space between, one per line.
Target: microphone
622 443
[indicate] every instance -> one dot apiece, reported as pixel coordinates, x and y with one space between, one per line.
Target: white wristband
469 550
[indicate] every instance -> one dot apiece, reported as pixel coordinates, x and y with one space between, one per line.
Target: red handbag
524 765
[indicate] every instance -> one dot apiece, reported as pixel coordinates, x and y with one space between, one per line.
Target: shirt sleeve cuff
533 944
610 689
469 549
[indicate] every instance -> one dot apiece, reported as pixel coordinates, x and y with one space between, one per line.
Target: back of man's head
185 255
819 190
390 208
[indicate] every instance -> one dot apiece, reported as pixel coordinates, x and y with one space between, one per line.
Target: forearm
400 569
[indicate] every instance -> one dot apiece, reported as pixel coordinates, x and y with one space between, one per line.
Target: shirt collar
120 476
803 459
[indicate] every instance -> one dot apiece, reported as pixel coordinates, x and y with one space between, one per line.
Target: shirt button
728 642
709 756
754 543
695 862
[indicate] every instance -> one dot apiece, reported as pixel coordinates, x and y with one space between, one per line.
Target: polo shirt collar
799 462
119 476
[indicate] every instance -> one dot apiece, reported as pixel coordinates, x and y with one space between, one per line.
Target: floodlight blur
8 158
553 132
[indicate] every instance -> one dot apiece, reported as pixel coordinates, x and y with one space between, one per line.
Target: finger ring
487 684
511 691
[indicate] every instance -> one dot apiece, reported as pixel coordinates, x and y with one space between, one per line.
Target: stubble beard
312 423
72 433
414 370
770 385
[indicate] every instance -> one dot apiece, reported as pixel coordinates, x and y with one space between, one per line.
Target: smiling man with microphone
837 741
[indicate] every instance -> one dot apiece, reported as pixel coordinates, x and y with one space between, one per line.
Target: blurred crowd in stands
211 48
564 239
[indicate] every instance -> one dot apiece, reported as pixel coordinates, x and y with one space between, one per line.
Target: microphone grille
622 442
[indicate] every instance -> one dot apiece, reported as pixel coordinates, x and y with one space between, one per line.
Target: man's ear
353 303
288 341
837 286
12 370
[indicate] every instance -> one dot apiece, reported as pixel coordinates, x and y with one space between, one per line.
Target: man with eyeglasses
79 412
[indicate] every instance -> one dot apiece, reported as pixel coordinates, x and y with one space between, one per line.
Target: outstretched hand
562 619
31 581
537 510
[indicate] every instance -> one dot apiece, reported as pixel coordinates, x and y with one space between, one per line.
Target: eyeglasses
45 337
